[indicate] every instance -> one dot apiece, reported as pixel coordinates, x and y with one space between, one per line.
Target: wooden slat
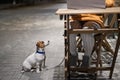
114 18
92 69
91 11
76 31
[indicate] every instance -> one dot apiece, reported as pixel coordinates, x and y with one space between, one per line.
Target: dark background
27 1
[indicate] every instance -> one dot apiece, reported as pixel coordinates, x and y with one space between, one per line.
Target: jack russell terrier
37 59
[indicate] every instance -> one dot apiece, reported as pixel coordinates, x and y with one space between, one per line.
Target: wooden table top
86 11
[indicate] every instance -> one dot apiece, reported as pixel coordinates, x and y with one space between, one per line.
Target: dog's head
40 44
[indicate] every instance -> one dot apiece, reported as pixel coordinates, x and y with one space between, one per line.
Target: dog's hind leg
25 69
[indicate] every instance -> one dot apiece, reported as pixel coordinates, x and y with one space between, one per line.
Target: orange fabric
110 3
92 17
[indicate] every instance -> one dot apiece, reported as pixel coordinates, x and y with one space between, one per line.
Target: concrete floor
20 29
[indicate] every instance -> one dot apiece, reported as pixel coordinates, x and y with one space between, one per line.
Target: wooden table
65 13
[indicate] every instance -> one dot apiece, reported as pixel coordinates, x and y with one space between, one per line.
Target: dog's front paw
44 66
22 71
38 71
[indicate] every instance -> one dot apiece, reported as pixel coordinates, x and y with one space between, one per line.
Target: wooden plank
114 18
108 30
86 11
92 69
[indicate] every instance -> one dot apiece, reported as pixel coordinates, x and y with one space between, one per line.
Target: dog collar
40 52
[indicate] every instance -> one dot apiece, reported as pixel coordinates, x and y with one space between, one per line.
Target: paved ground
20 29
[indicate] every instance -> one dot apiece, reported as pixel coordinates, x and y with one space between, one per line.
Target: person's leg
88 43
73 52
72 38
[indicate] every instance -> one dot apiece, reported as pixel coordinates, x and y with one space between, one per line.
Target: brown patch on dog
40 44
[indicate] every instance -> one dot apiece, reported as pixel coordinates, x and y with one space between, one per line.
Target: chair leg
107 46
97 48
79 45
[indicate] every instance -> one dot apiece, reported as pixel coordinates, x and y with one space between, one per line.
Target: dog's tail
22 69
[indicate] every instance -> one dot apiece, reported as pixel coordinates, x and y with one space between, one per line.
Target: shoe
85 62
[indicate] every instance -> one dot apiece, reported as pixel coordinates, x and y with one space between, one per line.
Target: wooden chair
66 13
100 41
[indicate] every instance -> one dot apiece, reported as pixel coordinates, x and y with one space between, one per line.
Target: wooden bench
65 14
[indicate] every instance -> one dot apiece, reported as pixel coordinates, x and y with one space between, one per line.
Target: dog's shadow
32 76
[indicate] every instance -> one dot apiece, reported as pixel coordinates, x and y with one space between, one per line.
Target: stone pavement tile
17 75
6 75
43 75
58 73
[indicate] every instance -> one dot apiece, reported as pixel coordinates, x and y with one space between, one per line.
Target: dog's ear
42 42
37 44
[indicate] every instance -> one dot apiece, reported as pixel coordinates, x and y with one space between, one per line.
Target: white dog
36 59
